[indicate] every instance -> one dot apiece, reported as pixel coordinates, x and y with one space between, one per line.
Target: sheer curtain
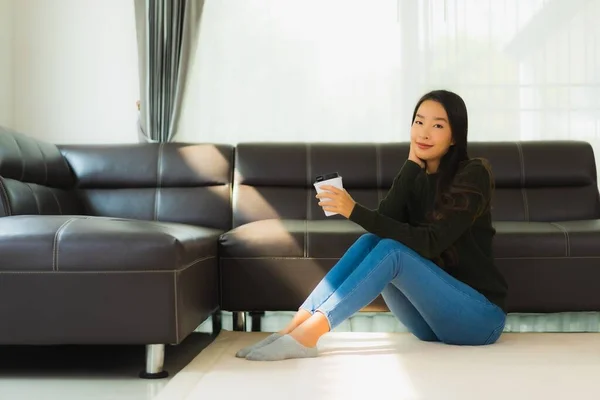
351 70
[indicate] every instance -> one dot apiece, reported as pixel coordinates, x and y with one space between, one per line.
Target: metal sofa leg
217 323
255 320
155 358
239 321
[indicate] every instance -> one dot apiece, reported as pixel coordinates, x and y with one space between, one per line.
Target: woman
428 249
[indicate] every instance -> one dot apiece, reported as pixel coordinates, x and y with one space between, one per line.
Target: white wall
6 63
76 78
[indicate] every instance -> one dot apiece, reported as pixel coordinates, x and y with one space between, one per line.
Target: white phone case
336 182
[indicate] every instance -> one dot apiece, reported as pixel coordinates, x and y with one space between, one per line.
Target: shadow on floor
96 362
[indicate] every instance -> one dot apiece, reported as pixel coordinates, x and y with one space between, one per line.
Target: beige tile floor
520 366
110 372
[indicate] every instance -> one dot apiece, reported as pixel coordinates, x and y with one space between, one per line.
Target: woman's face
430 135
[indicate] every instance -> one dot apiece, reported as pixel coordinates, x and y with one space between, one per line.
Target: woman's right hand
412 156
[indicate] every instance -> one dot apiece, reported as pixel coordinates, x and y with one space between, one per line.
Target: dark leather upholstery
95 244
28 160
24 198
546 210
120 244
275 180
109 244
34 178
177 182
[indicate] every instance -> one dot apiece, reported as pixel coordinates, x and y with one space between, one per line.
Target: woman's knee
369 237
392 244
383 242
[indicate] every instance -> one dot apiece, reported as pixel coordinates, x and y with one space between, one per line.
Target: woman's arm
394 203
430 240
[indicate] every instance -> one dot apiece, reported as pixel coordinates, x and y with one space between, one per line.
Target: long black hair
451 194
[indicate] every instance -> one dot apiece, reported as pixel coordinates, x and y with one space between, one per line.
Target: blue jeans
432 304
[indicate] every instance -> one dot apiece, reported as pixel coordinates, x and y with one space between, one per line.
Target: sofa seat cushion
547 239
528 239
582 238
83 243
275 238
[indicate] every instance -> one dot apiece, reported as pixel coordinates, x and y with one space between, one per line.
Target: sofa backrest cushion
172 182
534 180
34 178
542 181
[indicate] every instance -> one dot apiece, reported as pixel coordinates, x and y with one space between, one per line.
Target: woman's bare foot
301 316
310 331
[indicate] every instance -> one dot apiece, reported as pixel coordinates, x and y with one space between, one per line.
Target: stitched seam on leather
522 164
22 159
37 204
305 239
567 238
337 258
549 258
523 191
258 258
55 244
308 197
151 271
158 180
196 261
44 162
378 170
176 297
526 202
234 203
279 258
231 185
7 208
309 181
60 211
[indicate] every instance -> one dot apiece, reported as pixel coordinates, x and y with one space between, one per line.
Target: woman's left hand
336 200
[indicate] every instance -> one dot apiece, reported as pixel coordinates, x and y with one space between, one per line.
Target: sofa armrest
34 178
23 198
26 159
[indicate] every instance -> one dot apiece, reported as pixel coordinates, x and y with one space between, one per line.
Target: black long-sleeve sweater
402 216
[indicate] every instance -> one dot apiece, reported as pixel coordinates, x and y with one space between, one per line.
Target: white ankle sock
285 348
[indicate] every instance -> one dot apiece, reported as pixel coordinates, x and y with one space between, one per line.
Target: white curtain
351 70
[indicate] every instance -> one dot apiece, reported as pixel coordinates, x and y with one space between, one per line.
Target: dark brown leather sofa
138 244
110 244
546 211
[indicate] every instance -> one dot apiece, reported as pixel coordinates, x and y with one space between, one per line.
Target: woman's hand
336 200
412 156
